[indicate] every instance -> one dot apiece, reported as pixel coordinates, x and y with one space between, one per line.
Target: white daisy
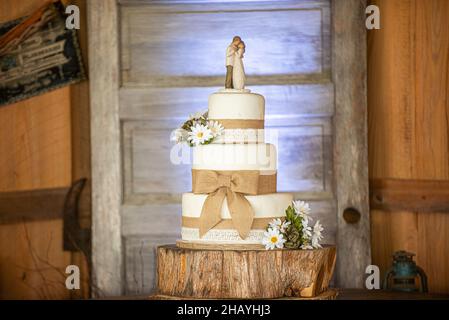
196 115
302 209
179 135
307 231
216 128
199 134
317 236
275 224
306 246
278 224
273 239
284 225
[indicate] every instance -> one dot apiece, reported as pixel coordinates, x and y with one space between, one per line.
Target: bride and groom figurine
235 73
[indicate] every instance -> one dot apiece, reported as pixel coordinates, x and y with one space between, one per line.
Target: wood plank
409 195
107 256
80 142
35 144
433 250
408 129
80 124
35 153
140 257
431 158
290 101
392 231
431 148
42 204
391 123
350 145
161 218
153 31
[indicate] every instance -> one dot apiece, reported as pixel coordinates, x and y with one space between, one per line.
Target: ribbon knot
224 181
232 185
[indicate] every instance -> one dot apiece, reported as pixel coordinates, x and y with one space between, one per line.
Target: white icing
261 156
232 105
264 205
224 236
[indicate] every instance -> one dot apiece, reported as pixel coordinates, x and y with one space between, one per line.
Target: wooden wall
35 153
408 91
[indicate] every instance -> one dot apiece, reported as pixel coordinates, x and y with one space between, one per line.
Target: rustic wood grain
34 153
80 145
409 195
41 204
107 255
350 145
408 129
289 101
153 30
243 274
330 294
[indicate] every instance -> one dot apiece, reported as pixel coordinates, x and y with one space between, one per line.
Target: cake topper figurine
235 73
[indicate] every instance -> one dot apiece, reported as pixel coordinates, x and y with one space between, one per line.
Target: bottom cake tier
266 207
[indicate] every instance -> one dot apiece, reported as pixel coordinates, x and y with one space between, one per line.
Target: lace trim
255 236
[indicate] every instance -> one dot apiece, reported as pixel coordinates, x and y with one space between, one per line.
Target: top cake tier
242 115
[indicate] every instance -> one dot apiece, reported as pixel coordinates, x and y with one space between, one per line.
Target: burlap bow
232 185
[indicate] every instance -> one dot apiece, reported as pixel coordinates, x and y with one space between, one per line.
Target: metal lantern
403 274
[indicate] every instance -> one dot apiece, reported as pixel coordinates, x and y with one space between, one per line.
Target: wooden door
164 60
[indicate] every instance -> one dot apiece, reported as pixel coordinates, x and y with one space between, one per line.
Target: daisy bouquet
197 130
293 232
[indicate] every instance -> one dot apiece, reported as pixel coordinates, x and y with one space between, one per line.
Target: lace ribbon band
258 223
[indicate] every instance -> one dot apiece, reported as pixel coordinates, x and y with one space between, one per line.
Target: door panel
164 59
168 74
294 43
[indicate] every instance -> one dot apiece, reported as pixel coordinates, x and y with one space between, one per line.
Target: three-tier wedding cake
234 199
240 154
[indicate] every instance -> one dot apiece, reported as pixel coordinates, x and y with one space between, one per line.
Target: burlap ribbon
233 185
241 123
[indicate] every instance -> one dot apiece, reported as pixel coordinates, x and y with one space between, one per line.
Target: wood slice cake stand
228 272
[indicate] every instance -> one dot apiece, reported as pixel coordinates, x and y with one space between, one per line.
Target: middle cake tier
224 157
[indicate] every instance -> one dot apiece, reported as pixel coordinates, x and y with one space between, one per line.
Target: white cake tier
241 114
249 156
232 105
266 207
